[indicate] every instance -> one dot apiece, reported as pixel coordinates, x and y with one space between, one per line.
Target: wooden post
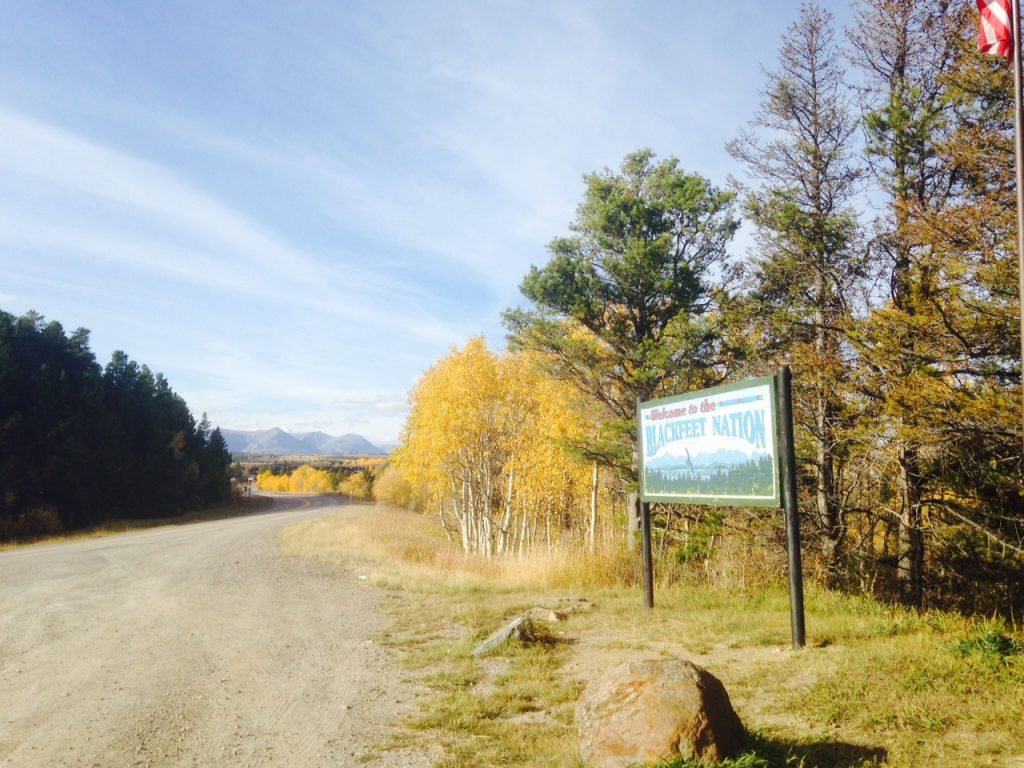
648 562
787 454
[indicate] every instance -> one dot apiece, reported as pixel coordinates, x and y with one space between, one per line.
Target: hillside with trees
879 189
80 444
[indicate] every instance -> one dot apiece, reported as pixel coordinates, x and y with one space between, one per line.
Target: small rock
519 629
570 605
539 613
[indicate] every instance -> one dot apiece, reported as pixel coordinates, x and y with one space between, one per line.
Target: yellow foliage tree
358 485
482 446
305 479
392 487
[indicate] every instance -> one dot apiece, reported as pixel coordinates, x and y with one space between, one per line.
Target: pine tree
798 149
904 51
968 405
622 309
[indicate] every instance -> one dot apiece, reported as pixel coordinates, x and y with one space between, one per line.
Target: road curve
192 645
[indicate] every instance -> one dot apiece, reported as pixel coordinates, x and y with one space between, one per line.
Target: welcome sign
716 446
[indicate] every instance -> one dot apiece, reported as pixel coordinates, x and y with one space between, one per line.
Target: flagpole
1018 129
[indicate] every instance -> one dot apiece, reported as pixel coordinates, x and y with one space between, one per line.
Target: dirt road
196 645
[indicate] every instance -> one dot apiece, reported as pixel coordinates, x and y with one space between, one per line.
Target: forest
878 187
352 477
81 444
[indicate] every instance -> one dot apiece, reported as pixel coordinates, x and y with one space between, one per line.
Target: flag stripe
995 31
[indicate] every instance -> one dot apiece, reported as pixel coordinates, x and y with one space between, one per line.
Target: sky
292 210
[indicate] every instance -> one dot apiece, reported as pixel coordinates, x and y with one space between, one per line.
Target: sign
716 446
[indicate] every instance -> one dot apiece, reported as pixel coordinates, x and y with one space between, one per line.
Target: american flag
995 31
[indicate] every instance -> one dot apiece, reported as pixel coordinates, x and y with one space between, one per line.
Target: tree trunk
593 511
506 518
445 525
471 517
524 531
632 521
829 517
462 516
910 563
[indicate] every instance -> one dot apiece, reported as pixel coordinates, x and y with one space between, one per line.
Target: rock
539 613
653 710
520 628
570 605
523 627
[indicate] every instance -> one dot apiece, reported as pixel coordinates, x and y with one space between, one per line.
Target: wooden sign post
726 446
788 455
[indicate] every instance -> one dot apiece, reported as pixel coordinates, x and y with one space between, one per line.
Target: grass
876 686
236 507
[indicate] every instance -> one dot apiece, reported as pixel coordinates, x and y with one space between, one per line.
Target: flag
995 31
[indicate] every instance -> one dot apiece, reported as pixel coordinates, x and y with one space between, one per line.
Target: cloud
293 214
154 221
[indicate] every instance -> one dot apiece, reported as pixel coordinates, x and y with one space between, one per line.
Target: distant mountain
277 442
346 445
274 441
316 439
721 457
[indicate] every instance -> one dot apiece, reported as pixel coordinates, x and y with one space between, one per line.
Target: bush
36 522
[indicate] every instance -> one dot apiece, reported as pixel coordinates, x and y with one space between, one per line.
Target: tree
799 150
214 465
483 448
50 417
457 443
621 310
905 51
392 487
78 445
966 307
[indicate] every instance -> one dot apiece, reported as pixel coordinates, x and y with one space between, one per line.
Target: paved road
193 645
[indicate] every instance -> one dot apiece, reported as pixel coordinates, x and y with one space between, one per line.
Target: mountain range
720 458
277 442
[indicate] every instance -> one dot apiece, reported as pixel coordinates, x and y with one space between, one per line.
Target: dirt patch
197 645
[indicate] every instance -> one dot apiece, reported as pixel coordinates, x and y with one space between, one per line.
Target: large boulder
651 710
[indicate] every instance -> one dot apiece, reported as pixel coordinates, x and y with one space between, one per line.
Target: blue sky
293 209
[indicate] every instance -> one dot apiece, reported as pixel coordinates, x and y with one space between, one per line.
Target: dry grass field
876 685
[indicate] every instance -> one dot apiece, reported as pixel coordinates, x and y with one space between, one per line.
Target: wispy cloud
168 227
293 213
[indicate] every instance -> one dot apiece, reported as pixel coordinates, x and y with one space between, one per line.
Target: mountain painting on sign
716 446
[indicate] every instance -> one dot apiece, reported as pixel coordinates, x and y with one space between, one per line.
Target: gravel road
197 645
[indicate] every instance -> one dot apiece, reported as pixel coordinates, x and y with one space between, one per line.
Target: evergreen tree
79 445
968 404
620 310
905 51
798 149
214 465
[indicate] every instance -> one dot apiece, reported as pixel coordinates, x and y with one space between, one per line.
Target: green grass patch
513 707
